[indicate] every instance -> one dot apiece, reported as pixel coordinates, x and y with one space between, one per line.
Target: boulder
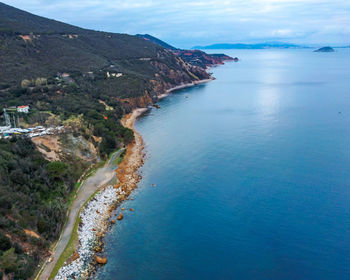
120 216
100 260
75 256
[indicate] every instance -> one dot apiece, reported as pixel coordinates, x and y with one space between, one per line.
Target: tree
9 260
5 242
56 168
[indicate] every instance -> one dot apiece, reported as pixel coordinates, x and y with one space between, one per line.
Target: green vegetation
82 79
119 159
32 197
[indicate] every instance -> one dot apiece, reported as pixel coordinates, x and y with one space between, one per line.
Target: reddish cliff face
136 102
164 79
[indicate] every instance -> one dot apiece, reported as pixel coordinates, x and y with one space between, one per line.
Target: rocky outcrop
100 260
120 216
135 102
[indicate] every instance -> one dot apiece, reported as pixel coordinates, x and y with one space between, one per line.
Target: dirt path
103 176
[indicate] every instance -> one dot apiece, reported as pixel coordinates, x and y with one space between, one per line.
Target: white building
23 109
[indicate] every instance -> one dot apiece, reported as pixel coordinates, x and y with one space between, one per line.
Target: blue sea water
252 175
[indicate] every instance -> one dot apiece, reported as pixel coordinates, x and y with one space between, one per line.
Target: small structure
23 109
116 75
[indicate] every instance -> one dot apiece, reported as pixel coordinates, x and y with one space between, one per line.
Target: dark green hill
14 20
33 46
156 41
84 80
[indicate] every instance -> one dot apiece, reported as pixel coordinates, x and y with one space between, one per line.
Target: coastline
134 158
161 96
96 223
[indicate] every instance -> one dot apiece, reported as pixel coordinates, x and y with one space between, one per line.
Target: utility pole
14 120
7 118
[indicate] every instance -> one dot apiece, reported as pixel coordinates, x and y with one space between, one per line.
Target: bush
56 168
5 242
9 261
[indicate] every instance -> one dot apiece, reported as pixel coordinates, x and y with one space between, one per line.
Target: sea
245 177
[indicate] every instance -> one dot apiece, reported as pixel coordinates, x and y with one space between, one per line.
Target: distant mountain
325 49
251 46
157 41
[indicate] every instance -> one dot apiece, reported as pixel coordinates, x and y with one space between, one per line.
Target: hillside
157 41
79 79
13 20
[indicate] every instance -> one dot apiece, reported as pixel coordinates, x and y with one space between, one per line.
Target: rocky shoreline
96 214
95 217
94 223
183 86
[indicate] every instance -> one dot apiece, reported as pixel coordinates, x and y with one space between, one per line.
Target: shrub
5 242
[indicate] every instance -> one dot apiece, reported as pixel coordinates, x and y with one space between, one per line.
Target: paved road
103 176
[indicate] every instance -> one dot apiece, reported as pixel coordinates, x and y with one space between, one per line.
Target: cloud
185 23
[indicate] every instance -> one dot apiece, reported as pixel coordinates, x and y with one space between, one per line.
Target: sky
185 23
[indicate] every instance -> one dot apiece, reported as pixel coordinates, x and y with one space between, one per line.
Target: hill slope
32 46
13 20
85 81
156 41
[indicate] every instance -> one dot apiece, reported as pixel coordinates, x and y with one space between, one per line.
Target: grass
73 194
119 159
112 154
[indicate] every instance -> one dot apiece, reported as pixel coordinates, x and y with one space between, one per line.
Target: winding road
103 176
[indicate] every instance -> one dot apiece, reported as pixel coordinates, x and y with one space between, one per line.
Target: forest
33 197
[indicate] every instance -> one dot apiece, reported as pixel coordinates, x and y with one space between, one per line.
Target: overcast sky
185 23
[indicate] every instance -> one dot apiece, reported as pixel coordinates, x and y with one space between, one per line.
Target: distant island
325 49
271 45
